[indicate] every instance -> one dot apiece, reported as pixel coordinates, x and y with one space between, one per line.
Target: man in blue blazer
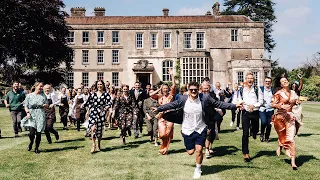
194 112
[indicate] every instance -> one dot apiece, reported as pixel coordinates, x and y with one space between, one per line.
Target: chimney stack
78 11
165 11
216 9
99 11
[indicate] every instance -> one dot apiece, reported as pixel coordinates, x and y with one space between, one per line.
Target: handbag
174 116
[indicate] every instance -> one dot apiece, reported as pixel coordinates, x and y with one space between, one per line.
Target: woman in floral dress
98 103
125 105
165 128
284 119
36 118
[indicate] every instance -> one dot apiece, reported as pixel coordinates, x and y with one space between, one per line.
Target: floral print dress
97 107
35 102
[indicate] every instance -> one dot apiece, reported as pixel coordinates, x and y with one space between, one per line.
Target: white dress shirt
236 97
250 98
192 117
267 98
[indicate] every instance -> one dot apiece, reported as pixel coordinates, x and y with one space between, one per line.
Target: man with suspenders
266 111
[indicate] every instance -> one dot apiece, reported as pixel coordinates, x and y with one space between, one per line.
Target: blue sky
297 31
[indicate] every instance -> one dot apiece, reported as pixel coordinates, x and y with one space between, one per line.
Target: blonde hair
36 84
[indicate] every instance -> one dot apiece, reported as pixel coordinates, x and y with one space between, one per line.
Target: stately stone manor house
125 49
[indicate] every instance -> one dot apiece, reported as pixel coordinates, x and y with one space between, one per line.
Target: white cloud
289 19
312 40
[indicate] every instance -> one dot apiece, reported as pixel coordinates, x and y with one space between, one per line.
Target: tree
278 71
257 10
33 41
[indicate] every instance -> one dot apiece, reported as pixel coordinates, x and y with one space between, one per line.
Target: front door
144 79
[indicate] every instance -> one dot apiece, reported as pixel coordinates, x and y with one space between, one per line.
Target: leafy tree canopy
257 10
33 41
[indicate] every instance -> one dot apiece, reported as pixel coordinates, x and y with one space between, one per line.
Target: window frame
86 84
154 41
115 39
139 40
99 53
166 40
200 43
166 65
70 81
194 69
101 74
117 56
234 37
115 81
83 51
241 77
83 37
185 40
246 35
71 37
100 42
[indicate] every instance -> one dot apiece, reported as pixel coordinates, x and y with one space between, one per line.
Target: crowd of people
200 108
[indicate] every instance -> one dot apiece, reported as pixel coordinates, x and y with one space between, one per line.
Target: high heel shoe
294 168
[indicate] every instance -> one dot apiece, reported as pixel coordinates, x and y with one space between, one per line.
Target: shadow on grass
264 153
273 139
71 140
111 137
300 160
225 150
124 147
306 135
175 140
63 149
177 151
7 137
227 130
219 168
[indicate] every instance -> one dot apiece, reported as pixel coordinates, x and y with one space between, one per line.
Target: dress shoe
254 136
261 138
267 140
29 147
295 168
57 136
37 151
246 157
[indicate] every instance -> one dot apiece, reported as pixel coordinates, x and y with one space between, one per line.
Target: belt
36 107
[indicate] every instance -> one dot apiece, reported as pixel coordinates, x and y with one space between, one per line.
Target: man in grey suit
194 112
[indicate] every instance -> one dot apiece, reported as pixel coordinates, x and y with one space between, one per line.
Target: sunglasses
195 90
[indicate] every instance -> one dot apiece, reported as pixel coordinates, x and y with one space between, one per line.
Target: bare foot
278 151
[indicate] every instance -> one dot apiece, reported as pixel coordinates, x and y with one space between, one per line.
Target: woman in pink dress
165 128
284 119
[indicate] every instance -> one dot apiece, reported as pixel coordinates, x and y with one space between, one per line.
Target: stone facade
215 45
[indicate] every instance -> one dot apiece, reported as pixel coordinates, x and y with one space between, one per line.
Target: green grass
70 157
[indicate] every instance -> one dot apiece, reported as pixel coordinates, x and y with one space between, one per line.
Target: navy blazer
208 105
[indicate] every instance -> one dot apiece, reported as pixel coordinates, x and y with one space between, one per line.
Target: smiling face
236 87
46 89
193 91
165 89
39 87
79 91
250 80
205 88
63 90
100 86
15 86
284 82
267 82
137 86
125 89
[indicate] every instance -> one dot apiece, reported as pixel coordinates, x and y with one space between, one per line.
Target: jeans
265 123
249 119
16 120
233 113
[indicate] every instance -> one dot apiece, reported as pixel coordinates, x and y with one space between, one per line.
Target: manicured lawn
70 158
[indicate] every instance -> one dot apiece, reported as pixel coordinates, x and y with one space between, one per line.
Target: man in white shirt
266 111
252 100
196 112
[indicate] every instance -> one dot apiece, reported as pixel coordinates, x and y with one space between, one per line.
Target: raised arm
220 104
172 105
300 84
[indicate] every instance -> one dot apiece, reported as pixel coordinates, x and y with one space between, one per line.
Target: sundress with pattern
97 111
35 102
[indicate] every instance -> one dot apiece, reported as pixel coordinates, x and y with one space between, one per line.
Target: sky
297 31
